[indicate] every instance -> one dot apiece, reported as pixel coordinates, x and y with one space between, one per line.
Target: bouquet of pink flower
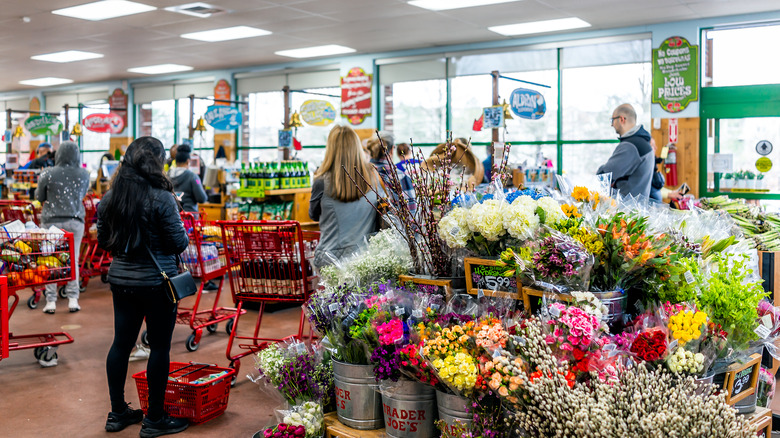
572 333
283 430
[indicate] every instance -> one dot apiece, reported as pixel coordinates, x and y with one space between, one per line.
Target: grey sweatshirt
631 164
343 225
187 183
62 188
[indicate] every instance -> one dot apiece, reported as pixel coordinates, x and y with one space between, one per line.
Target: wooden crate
529 293
428 281
334 429
742 375
491 282
761 421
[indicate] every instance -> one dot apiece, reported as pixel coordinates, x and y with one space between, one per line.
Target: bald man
633 160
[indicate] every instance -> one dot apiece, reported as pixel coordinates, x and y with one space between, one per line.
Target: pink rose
573 339
566 347
557 332
549 339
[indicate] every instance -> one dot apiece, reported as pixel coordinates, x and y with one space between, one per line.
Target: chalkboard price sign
742 378
488 277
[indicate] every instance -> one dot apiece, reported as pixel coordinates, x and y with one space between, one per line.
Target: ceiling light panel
104 10
159 69
311 52
539 26
443 5
67 56
46 82
225 34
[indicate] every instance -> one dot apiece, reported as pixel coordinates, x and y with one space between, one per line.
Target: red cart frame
268 262
11 210
39 247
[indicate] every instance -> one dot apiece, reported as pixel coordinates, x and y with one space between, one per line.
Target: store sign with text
527 104
223 118
111 123
117 101
222 93
356 95
44 124
675 74
318 112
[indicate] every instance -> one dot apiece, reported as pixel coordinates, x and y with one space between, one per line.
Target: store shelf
287 191
309 224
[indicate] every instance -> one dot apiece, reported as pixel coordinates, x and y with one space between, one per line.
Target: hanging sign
764 147
223 118
527 104
493 117
484 276
44 124
222 92
318 112
764 164
356 95
111 123
117 100
675 74
285 138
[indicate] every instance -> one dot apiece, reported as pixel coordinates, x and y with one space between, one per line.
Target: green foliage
677 288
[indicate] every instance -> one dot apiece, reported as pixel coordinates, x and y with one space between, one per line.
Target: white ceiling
368 26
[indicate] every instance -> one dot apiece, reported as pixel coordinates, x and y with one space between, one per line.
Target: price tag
333 307
454 231
554 312
417 313
480 293
762 331
400 311
300 348
767 321
435 307
689 277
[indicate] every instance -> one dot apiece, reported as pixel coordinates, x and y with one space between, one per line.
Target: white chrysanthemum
552 209
486 219
454 228
520 220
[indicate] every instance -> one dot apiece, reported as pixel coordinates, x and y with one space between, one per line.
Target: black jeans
131 306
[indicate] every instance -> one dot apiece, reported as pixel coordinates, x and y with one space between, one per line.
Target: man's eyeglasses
612 120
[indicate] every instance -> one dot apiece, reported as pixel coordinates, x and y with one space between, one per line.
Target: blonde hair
344 149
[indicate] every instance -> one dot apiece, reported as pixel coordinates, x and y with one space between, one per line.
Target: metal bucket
410 410
703 384
748 404
358 403
453 413
616 302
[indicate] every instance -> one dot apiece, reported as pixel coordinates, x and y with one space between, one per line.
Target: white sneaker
73 305
50 307
141 352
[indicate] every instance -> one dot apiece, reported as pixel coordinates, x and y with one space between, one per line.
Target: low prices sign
111 123
44 124
356 95
675 74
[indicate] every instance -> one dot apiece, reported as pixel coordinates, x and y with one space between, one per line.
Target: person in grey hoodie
633 160
185 182
61 190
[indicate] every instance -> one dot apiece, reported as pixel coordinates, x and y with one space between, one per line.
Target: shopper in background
171 160
346 218
44 157
61 189
632 162
406 155
138 217
658 180
185 182
380 151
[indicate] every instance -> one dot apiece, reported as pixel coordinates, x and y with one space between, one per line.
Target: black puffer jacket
164 233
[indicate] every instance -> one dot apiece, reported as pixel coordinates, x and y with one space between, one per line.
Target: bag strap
156 263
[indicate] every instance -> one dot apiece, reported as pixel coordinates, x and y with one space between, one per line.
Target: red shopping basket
184 398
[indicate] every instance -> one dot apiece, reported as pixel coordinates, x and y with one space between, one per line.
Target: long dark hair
140 171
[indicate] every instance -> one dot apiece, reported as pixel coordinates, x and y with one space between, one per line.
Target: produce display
33 256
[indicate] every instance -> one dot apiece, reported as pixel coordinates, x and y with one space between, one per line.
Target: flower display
686 325
683 361
650 345
486 219
284 430
491 334
454 228
520 219
269 362
561 260
571 211
458 370
308 416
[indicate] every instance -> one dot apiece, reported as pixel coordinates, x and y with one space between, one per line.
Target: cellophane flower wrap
449 350
574 331
308 416
559 263
385 257
686 327
284 430
650 343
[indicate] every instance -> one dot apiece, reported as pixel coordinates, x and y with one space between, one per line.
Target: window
737 56
266 115
415 110
203 141
470 94
157 119
93 144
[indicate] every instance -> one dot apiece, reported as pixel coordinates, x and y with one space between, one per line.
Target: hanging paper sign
44 124
318 112
356 95
527 104
116 101
675 74
223 118
222 92
285 138
493 117
111 123
764 164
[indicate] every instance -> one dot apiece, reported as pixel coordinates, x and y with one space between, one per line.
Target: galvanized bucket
616 302
358 403
410 410
703 383
453 413
748 404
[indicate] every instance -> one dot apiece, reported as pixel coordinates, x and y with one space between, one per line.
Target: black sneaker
117 422
164 426
210 285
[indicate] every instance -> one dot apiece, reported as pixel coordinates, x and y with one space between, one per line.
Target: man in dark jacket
61 189
632 162
185 182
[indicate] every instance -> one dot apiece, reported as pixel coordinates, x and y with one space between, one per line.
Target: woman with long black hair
137 218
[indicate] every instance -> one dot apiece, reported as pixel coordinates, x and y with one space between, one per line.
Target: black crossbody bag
179 286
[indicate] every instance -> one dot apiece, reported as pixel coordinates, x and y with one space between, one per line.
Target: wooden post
67 117
286 90
8 124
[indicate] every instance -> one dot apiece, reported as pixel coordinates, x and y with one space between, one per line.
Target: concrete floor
71 399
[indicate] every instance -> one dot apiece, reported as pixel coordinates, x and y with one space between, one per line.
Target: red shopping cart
31 258
25 211
268 262
205 259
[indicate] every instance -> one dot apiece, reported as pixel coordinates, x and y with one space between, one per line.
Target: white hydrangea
552 209
526 200
454 228
520 220
486 219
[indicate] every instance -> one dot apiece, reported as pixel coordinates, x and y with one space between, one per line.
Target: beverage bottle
285 176
299 174
306 176
242 175
273 177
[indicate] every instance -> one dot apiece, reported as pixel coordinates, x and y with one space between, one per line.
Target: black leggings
131 306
